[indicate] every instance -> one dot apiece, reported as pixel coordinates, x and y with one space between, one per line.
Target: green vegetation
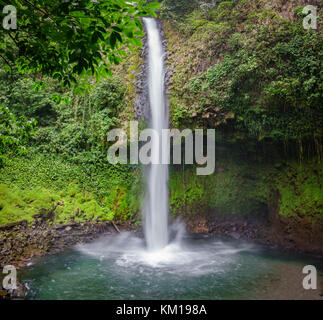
68 40
243 190
246 68
301 190
73 192
61 165
64 168
68 124
248 71
14 134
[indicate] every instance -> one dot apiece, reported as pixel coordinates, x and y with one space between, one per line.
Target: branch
38 9
42 11
6 62
14 40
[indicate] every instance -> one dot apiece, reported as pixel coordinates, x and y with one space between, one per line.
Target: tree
69 39
14 133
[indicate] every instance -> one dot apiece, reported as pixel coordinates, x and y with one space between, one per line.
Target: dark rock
19 293
235 235
43 238
4 295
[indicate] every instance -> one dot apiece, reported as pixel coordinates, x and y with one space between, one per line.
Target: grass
31 184
301 190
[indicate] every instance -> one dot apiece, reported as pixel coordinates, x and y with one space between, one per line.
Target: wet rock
19 293
4 295
235 235
43 238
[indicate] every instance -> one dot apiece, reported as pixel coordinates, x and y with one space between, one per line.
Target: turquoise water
121 268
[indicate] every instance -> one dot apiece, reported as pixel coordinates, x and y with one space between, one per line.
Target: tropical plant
69 39
14 133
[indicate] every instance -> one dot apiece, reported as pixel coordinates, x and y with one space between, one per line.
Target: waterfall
156 206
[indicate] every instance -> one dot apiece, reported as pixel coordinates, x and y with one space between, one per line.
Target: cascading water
121 268
156 206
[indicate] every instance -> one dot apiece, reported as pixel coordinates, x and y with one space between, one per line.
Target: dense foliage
71 192
67 123
14 134
246 68
65 165
65 39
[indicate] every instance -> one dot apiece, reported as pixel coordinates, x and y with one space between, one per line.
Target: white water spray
156 206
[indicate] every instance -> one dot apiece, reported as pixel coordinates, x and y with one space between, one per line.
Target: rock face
14 294
20 244
142 104
296 232
283 232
